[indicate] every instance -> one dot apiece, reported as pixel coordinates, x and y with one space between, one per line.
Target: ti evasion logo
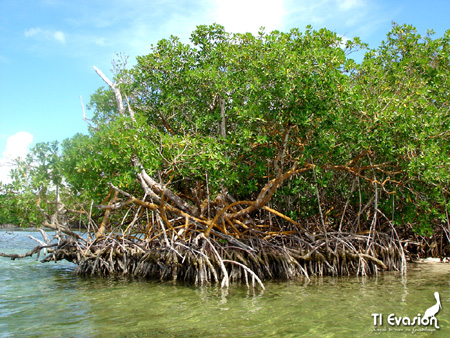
411 324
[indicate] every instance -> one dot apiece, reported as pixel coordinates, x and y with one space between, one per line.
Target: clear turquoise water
48 300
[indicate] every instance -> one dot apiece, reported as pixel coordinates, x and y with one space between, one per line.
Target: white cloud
346 17
347 5
46 34
59 36
344 41
241 16
32 32
16 146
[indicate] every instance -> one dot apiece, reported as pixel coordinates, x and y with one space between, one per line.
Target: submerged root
203 260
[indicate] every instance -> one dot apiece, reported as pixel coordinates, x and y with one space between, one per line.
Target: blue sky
48 47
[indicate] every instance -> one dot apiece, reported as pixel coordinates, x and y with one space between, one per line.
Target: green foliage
34 178
104 105
283 99
272 85
403 95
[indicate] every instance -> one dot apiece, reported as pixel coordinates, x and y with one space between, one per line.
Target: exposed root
218 241
203 260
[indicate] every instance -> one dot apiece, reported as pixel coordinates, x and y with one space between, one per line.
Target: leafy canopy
233 111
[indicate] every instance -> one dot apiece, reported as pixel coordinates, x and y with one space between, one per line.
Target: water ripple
48 300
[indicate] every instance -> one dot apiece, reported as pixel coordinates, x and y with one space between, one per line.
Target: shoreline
12 226
8 226
433 260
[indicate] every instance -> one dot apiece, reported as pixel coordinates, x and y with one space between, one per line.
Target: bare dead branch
37 249
115 90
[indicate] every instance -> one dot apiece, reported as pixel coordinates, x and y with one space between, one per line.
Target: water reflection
48 300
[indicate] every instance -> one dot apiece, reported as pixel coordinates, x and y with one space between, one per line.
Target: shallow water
48 300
